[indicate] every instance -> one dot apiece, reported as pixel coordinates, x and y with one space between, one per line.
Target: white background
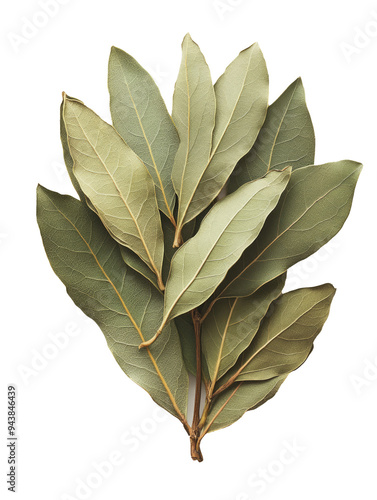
77 409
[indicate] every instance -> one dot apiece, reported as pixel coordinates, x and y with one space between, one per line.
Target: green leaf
241 104
235 401
231 326
310 212
168 230
140 116
286 139
231 225
116 182
135 263
68 160
186 333
126 307
285 338
132 260
194 107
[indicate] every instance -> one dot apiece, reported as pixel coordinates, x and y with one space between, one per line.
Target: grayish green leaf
310 212
168 230
235 401
232 324
286 139
285 338
125 306
133 261
68 160
241 105
231 225
140 116
116 182
194 107
186 333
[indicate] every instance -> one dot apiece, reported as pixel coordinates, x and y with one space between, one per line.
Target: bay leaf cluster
184 226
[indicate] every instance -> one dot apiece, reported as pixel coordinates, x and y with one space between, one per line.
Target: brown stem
196 320
226 385
195 431
196 453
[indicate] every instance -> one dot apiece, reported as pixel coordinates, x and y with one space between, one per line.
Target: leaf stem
227 384
196 320
196 454
178 237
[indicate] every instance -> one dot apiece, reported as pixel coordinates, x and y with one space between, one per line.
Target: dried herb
177 279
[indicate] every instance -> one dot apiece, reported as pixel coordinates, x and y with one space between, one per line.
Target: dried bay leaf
231 225
88 262
311 211
241 105
286 139
140 116
68 160
231 326
285 337
116 183
194 107
235 401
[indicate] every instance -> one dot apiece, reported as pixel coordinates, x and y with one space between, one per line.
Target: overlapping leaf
232 224
125 306
310 212
194 107
241 104
282 343
140 116
231 404
116 183
286 139
286 336
232 324
223 310
68 160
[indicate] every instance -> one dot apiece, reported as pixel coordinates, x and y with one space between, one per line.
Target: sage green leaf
232 324
241 105
140 116
135 263
285 338
235 401
116 182
168 230
132 260
194 107
310 212
231 225
68 160
286 139
126 307
186 333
